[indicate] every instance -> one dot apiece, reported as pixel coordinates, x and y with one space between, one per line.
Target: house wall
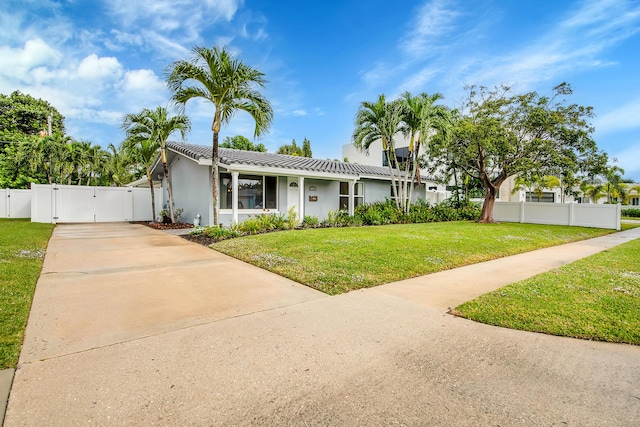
191 189
328 194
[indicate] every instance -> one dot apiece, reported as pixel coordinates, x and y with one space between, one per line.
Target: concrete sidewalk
209 340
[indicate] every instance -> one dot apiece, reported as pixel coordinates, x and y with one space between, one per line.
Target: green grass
337 260
596 298
22 246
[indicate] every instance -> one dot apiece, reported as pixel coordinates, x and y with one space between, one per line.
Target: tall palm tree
380 120
216 76
143 152
158 126
422 117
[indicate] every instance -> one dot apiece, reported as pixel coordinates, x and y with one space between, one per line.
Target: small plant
220 233
292 218
196 231
310 222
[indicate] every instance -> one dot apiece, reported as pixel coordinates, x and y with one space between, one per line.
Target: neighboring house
376 156
547 195
254 183
633 195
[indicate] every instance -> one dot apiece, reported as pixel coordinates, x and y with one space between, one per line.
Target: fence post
618 214
571 214
521 212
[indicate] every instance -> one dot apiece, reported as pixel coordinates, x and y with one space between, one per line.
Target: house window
402 154
635 201
545 197
358 195
254 192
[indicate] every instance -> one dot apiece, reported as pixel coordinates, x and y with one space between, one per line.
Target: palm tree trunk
163 153
214 177
394 188
153 196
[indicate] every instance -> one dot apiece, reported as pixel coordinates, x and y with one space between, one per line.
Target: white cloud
17 63
142 80
624 117
298 113
99 69
434 19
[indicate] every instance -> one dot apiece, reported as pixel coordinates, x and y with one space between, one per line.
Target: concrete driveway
131 326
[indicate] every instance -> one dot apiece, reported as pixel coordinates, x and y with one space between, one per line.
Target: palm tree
143 152
593 191
380 120
421 117
613 184
156 125
119 166
229 85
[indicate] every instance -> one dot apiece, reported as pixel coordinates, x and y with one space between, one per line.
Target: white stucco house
254 183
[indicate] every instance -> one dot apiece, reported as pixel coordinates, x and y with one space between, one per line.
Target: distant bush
635 213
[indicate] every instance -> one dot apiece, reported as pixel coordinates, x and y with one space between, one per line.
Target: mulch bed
201 239
164 226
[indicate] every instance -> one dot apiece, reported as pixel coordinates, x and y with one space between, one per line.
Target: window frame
358 196
266 198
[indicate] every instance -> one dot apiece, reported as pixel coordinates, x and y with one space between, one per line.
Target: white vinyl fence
577 214
15 203
75 203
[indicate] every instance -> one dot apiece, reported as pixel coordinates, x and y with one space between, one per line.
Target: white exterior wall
15 203
191 190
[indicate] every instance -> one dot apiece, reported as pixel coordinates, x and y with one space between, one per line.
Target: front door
293 194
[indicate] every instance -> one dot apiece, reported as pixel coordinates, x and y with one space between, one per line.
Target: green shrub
219 232
310 222
632 212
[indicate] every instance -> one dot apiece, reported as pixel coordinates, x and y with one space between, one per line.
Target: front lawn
596 298
337 260
22 246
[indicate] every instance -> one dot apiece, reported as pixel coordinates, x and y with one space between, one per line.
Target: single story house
254 183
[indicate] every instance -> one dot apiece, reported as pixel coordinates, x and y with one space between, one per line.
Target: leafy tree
229 85
498 135
21 114
156 125
294 150
306 148
240 142
16 170
380 120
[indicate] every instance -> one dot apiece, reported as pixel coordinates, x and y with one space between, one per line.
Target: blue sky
98 60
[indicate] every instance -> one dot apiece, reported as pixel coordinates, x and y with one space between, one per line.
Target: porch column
301 199
352 190
234 197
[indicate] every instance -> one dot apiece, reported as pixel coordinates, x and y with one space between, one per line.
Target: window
358 195
254 192
635 201
402 155
545 197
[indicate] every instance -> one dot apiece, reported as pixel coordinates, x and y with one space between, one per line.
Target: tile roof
230 156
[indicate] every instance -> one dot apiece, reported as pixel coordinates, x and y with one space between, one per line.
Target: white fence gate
15 203
70 203
578 214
